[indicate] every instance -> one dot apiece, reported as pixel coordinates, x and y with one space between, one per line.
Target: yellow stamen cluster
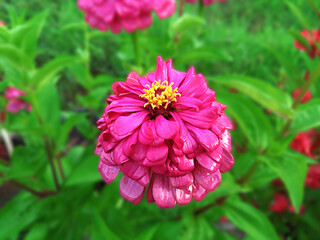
167 95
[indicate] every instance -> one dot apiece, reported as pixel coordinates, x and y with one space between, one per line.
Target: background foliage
244 49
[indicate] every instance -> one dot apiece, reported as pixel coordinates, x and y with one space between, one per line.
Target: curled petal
162 192
166 129
206 138
227 161
108 173
131 190
208 180
183 195
181 181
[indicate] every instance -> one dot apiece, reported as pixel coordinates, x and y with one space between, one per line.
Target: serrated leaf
262 92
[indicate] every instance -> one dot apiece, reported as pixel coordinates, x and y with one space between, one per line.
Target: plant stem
60 167
201 8
136 47
181 7
32 191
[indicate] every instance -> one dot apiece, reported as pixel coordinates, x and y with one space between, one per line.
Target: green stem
181 7
46 143
136 47
201 8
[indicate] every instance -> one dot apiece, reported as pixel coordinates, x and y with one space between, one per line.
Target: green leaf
43 75
200 54
99 228
48 105
251 119
250 220
262 92
292 169
299 15
25 36
86 171
11 53
307 116
148 234
186 22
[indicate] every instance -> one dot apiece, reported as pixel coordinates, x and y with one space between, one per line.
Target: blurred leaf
260 91
186 22
43 75
299 15
292 169
307 116
38 231
250 220
86 171
99 228
25 36
48 105
148 234
201 53
302 40
81 74
17 214
12 54
251 119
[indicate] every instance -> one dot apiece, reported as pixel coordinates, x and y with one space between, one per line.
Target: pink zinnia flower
165 131
14 103
280 203
128 14
205 2
312 40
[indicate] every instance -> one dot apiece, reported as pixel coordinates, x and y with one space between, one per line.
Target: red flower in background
2 23
124 14
313 176
306 97
312 40
280 203
307 143
15 104
167 131
205 2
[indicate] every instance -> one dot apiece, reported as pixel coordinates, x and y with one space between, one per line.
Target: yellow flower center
160 93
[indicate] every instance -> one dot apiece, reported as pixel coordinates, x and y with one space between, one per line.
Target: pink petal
107 158
131 190
166 129
129 143
208 180
227 161
207 162
206 138
181 181
183 196
15 105
225 140
108 173
199 192
133 170
118 156
162 192
125 125
146 133
161 70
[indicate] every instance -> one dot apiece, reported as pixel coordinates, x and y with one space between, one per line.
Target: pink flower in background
280 203
312 39
307 143
313 176
306 97
165 132
2 23
205 2
129 15
15 104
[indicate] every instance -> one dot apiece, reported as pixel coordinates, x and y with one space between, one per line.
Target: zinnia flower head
205 2
128 14
312 40
15 104
166 133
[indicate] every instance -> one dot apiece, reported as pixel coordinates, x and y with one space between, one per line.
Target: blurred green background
67 70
